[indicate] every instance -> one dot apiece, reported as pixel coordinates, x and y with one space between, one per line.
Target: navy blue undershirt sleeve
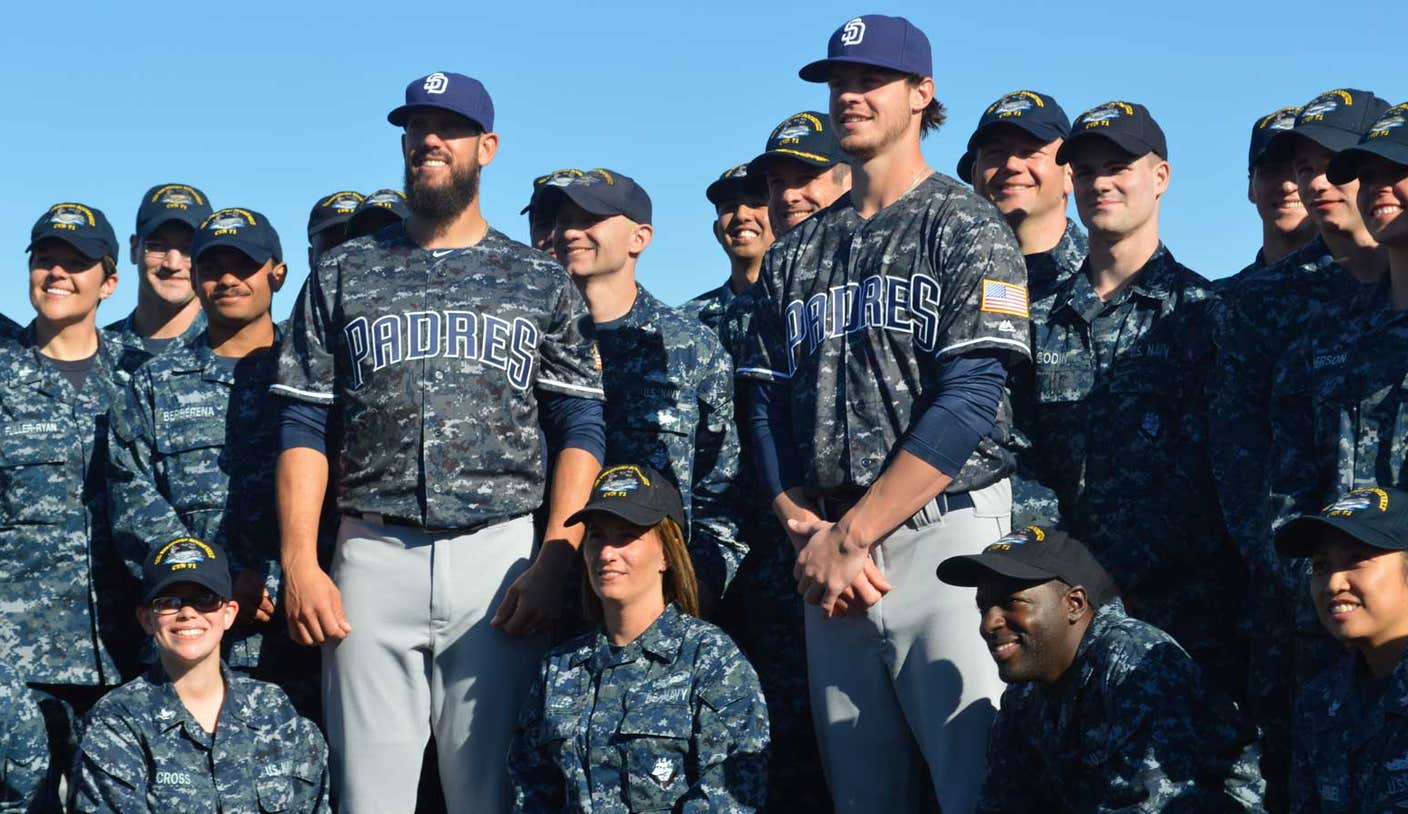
771 433
303 425
569 421
963 412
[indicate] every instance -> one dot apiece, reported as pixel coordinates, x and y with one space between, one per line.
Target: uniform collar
49 381
168 712
1156 280
643 310
660 642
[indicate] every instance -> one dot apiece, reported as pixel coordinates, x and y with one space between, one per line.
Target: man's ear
641 237
1077 602
133 247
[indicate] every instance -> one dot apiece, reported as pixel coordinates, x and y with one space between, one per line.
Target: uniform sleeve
537 783
24 747
718 547
306 359
980 301
568 362
1301 474
312 750
1007 786
731 736
1303 797
142 518
110 770
761 334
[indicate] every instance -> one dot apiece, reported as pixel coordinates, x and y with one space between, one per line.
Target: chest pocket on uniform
34 483
655 742
1061 381
288 786
655 423
192 466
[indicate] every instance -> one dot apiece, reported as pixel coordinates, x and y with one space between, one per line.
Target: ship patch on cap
1393 118
1097 116
71 216
621 479
229 221
1015 104
183 553
792 130
1357 501
343 202
386 199
1030 534
1283 119
1323 104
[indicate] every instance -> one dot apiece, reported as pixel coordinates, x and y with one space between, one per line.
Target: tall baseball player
428 353
167 309
883 331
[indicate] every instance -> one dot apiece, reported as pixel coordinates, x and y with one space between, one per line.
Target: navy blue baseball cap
1387 138
636 494
734 183
1035 553
333 211
601 192
242 229
377 210
454 92
1036 113
556 178
1335 120
168 202
85 228
186 559
893 43
1128 125
807 137
1265 129
1373 516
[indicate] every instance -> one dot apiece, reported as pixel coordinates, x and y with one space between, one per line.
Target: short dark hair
934 115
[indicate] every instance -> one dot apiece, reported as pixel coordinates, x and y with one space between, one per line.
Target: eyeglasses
204 602
157 248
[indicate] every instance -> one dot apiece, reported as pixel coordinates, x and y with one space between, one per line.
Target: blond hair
679 583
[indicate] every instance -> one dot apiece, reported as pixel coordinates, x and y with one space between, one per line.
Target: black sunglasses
204 602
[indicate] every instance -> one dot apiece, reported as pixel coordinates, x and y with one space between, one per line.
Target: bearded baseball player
883 332
422 358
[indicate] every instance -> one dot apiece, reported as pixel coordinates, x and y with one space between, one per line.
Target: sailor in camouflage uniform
191 736
24 747
803 168
9 329
1115 412
377 211
669 384
167 312
1350 751
65 618
883 331
654 709
1011 161
422 359
741 226
327 222
193 443
1103 712
543 219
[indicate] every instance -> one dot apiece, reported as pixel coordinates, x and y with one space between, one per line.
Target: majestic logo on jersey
853 32
893 303
436 83
510 346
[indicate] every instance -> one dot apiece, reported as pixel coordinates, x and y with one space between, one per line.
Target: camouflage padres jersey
432 358
1351 747
673 721
1128 728
669 404
854 316
65 597
24 746
1115 416
134 351
142 750
191 452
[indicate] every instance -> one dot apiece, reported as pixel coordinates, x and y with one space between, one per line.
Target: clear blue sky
272 105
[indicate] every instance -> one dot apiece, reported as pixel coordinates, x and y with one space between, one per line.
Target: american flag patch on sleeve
1004 298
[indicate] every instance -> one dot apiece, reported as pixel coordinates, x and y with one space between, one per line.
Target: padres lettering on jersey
507 345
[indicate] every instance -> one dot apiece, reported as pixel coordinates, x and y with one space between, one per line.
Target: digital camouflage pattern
854 315
133 351
24 746
669 404
1351 749
1129 728
65 598
710 307
433 359
9 329
143 751
673 721
1116 419
1034 503
191 453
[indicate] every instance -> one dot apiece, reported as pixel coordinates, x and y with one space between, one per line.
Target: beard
441 204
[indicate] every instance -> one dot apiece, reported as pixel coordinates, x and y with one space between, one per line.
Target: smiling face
1019 174
625 563
1032 630
1272 188
188 636
1383 192
64 286
1360 592
797 190
235 290
742 227
164 262
1117 193
874 108
591 245
1333 208
444 152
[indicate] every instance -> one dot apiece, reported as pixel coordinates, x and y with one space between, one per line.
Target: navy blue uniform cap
1130 126
1265 129
636 494
377 210
187 559
893 43
807 137
1373 516
734 183
1335 120
556 178
333 210
600 192
242 229
168 202
85 228
454 92
1036 113
1387 138
1035 553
